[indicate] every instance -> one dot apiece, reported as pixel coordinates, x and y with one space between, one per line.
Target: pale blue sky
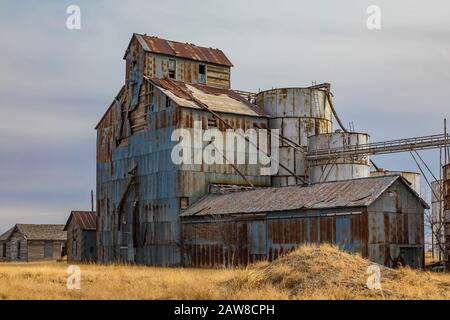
55 83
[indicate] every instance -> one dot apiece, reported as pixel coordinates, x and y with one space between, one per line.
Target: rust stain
186 50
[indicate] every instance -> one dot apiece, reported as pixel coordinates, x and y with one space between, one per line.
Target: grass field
308 273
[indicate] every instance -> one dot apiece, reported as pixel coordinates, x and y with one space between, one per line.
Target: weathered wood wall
36 250
156 65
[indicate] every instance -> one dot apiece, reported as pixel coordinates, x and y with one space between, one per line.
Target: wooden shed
33 242
81 236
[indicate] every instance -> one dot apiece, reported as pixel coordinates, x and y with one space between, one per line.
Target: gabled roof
86 220
42 231
338 194
216 99
5 236
182 50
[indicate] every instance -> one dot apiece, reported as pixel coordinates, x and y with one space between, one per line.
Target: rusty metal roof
216 99
86 220
338 194
42 231
183 50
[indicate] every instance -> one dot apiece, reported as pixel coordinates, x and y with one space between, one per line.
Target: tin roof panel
348 193
183 50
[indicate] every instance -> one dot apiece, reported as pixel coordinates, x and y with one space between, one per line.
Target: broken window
48 249
184 203
168 102
201 73
172 68
18 249
212 122
133 69
4 251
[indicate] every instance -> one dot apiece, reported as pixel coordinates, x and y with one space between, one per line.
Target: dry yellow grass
325 272
308 273
429 260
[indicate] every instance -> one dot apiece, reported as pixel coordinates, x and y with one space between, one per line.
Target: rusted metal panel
150 56
148 230
412 177
395 223
387 231
339 168
265 239
350 193
86 220
183 50
298 113
447 242
446 191
446 187
437 214
216 99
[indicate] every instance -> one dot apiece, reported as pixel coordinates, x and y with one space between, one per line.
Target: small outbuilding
81 236
33 242
380 218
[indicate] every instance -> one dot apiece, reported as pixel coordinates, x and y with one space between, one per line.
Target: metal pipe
330 101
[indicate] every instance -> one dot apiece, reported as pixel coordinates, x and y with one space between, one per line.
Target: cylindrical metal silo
437 210
446 187
340 168
446 191
297 113
412 177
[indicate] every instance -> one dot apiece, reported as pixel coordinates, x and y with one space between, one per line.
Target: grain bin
446 190
437 211
298 113
338 168
413 178
446 186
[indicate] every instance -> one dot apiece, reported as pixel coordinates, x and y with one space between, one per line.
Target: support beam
384 147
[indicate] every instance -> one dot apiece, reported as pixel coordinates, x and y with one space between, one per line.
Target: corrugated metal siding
151 232
86 220
447 214
342 168
298 113
446 187
396 222
243 240
390 228
350 193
